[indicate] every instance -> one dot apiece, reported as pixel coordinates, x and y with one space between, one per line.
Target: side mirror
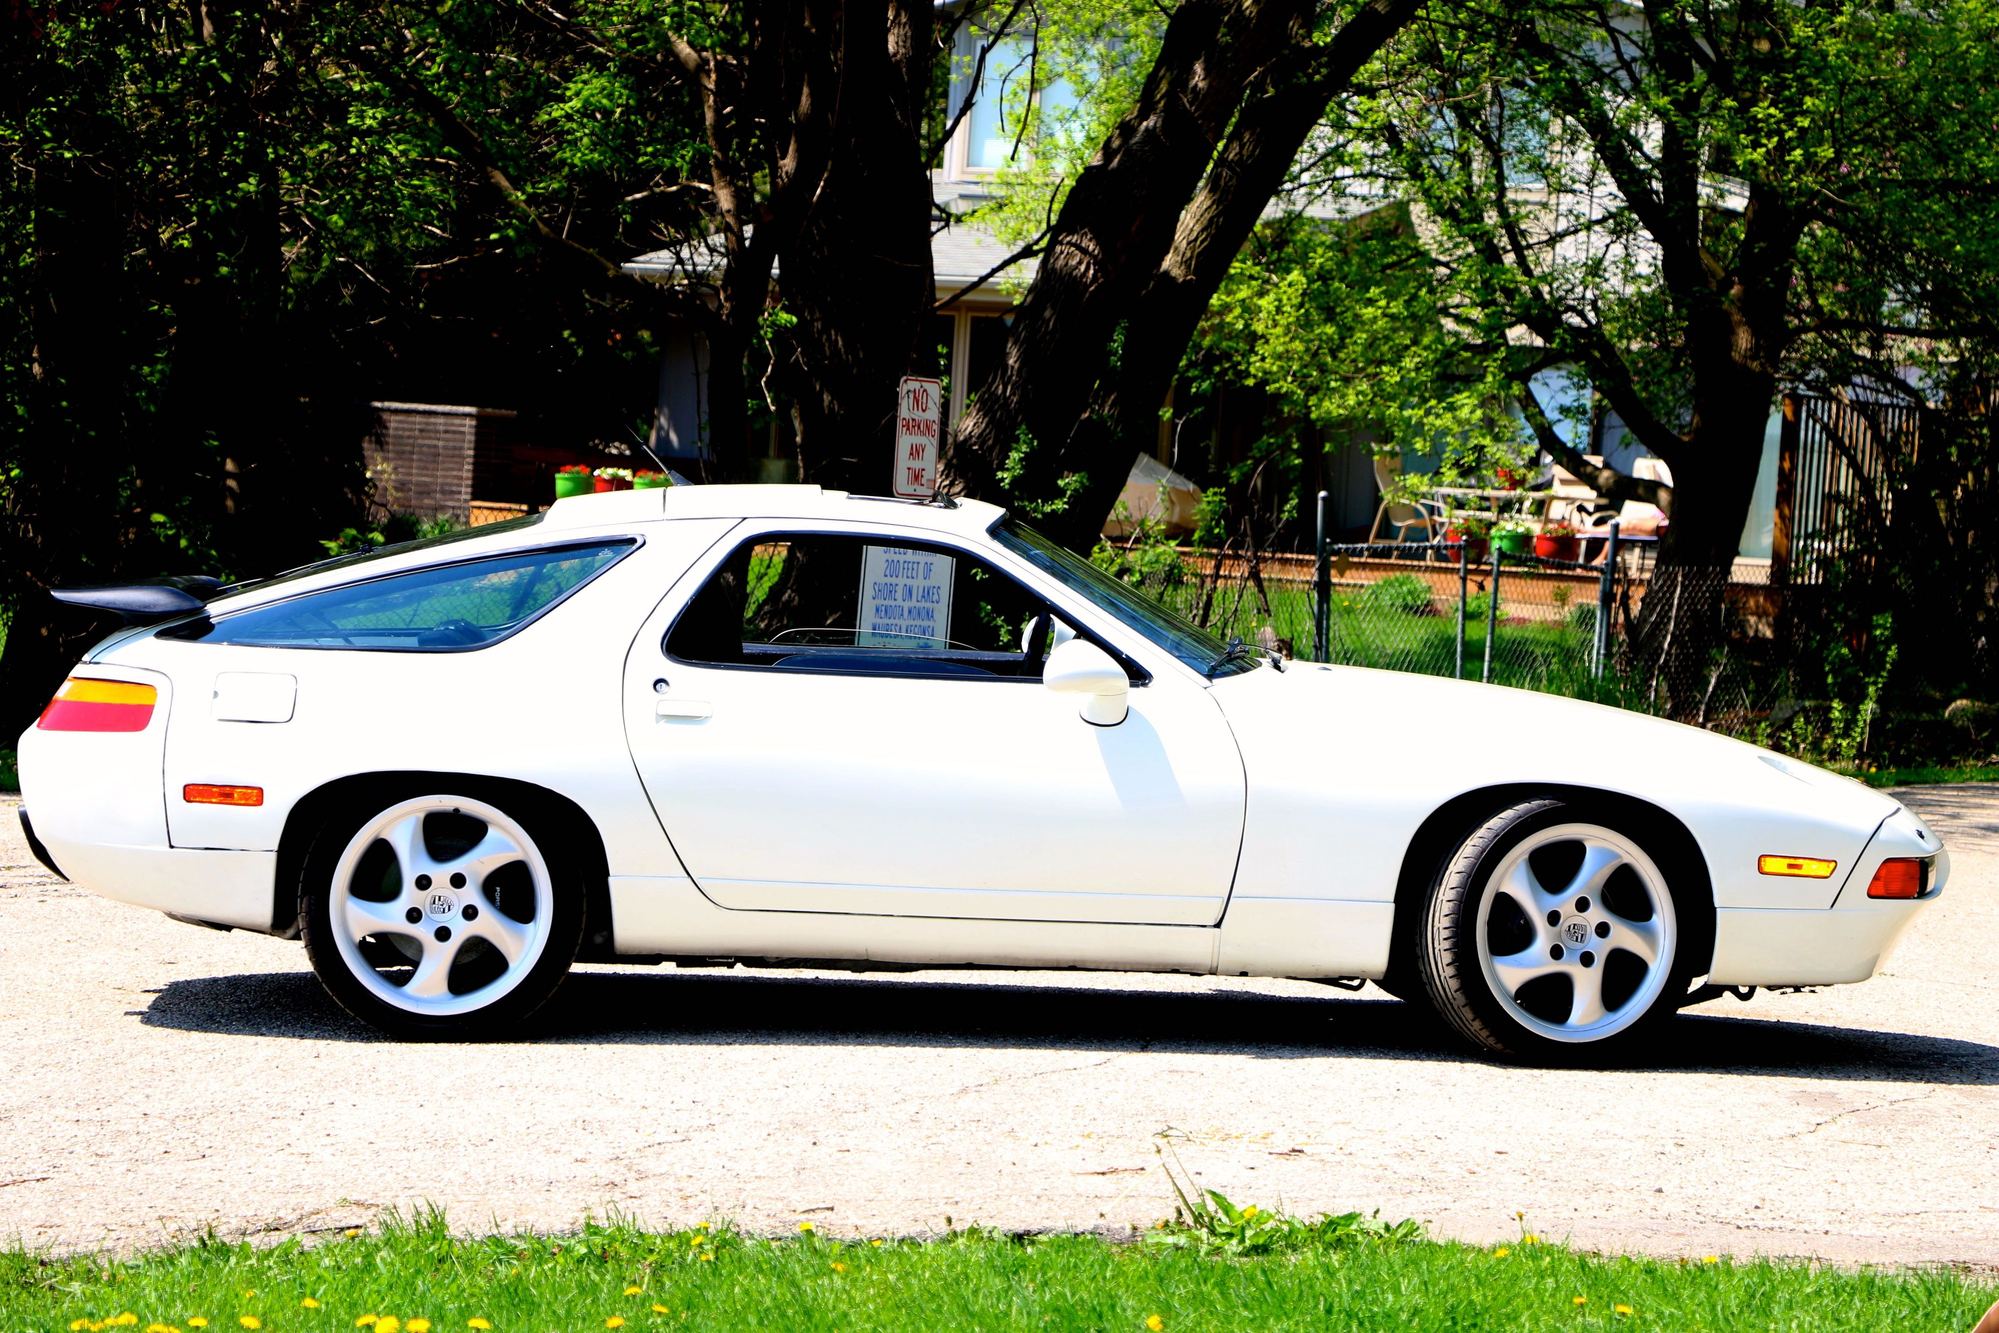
1080 667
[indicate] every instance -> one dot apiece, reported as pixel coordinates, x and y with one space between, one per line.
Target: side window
822 602
437 609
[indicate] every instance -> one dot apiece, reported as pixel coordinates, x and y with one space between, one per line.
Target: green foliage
10 773
1341 323
1404 593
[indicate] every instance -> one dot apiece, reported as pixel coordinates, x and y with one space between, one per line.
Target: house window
1005 96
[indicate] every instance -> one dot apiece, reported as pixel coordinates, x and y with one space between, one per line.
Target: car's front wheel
1551 935
438 915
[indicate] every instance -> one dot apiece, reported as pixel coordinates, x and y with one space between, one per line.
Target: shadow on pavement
765 1009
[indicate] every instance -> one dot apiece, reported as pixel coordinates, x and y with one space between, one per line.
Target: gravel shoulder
163 1080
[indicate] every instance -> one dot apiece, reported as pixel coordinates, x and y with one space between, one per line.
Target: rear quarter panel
543 707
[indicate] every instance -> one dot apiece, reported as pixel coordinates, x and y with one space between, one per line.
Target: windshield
1196 647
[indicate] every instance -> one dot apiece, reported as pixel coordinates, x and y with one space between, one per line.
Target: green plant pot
650 483
573 483
1513 543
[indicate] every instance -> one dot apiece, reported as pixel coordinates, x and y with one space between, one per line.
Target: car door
831 718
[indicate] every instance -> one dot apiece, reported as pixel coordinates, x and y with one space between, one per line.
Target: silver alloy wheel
1576 932
437 905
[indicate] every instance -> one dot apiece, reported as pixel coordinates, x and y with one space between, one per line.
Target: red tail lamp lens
1899 877
212 793
99 705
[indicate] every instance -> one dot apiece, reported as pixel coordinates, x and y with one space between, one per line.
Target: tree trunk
1115 227
1683 619
1281 108
858 276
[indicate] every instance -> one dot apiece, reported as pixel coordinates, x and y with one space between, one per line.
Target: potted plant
650 481
576 479
1513 536
1470 533
614 478
1557 541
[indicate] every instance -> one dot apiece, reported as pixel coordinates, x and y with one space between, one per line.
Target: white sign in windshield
905 598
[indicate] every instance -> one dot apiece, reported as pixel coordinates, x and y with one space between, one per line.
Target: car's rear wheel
438 915
1552 935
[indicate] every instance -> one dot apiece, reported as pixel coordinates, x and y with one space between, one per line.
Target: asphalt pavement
161 1080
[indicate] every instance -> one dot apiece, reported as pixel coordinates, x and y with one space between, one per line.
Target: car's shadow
763 1008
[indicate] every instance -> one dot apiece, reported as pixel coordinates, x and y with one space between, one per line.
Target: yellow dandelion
1581 1300
635 1290
366 1321
876 1242
1530 1239
483 1325
805 1226
700 1226
309 1304
1250 1212
1153 1321
125 1320
161 1328
708 1254
1710 1258
839 1267
1501 1252
615 1321
418 1326
1621 1308
249 1321
657 1308
78 1325
351 1232
196 1321
388 1323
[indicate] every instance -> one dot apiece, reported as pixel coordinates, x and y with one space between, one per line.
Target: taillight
1900 877
99 705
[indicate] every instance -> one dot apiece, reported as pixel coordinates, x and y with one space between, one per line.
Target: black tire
539 898
1472 947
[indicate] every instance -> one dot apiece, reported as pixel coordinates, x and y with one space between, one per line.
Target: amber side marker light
206 793
1798 867
1899 877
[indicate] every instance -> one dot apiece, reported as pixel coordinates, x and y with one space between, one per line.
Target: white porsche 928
787 726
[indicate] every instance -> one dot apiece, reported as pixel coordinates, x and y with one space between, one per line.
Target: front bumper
1756 946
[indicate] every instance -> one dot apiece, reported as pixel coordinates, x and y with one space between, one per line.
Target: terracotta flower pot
1476 548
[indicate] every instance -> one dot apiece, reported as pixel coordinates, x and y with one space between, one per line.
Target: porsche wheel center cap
439 904
1576 932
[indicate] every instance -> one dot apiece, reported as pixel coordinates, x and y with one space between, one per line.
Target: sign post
919 412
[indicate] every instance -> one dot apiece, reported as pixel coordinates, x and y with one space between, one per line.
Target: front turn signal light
1798 867
1900 877
211 793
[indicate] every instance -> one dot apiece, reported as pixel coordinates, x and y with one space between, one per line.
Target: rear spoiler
143 603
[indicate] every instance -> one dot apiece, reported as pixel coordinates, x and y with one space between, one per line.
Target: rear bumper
222 888
41 853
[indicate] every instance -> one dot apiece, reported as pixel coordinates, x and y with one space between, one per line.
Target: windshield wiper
1236 651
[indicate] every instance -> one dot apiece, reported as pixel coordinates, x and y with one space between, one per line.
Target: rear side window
443 608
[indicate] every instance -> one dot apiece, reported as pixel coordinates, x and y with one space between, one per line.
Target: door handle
693 709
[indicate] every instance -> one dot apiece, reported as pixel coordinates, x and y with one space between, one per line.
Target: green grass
1323 1279
1924 774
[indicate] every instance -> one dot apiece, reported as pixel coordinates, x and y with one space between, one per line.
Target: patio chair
1399 514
